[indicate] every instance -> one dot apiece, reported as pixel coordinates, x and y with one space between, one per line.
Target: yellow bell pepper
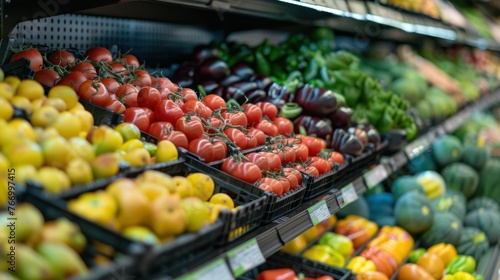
446 252
324 254
99 207
360 264
295 245
459 276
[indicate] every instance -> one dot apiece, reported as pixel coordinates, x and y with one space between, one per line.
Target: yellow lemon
44 116
6 109
67 125
24 173
24 128
53 180
30 89
13 81
66 93
24 152
203 185
22 103
222 199
6 91
57 103
86 119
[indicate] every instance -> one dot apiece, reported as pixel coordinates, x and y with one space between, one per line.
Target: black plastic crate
299 265
101 114
320 185
276 206
19 68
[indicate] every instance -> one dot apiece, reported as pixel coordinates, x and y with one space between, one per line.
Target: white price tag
214 270
349 194
416 148
375 176
245 257
319 212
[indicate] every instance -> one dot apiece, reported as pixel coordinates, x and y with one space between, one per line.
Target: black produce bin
101 114
19 68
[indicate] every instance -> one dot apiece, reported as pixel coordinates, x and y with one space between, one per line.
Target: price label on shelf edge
416 147
217 269
319 212
245 257
349 194
375 176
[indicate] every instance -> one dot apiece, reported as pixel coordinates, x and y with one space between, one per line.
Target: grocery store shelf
366 19
271 238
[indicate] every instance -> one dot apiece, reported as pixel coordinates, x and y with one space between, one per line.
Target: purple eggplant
255 95
313 126
373 137
338 134
229 80
245 86
351 145
341 118
277 91
202 52
243 71
234 93
220 91
184 75
262 81
209 86
212 68
360 134
316 101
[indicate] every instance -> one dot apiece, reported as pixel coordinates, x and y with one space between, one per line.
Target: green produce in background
461 263
337 242
416 254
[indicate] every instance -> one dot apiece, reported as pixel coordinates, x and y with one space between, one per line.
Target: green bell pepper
386 122
290 110
263 66
311 71
416 254
461 263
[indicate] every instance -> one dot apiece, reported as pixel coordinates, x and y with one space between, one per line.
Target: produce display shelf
350 16
271 237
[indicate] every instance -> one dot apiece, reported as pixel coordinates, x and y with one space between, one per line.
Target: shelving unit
225 16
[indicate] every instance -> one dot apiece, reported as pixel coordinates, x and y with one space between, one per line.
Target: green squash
414 212
448 204
473 242
446 228
377 189
456 195
405 184
475 157
486 220
489 179
482 202
447 149
459 176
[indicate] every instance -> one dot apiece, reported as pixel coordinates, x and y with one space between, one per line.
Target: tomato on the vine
47 77
137 116
245 171
259 136
33 55
285 153
285 183
284 125
118 69
148 97
178 138
189 94
94 92
196 107
86 68
98 54
336 157
268 109
159 129
191 126
292 171
275 185
220 148
259 159
268 128
236 136
253 113
131 61
321 164
274 161
251 141
73 79
150 113
214 102
115 105
163 83
203 148
62 58
215 123
314 145
311 170
301 152
127 94
142 78
111 84
168 111
235 118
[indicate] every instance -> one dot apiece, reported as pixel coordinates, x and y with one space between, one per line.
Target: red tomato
94 92
137 116
259 136
191 126
286 154
98 54
115 106
321 164
247 171
196 107
268 109
86 68
130 61
203 148
284 125
251 141
285 183
163 83
268 128
236 136
127 94
259 159
73 79
178 138
189 94
295 172
214 101
62 58
301 152
159 129
168 111
228 165
314 145
220 148
253 113
274 161
111 84
292 179
148 97
47 77
336 157
142 78
236 118
150 113
311 170
33 55
118 69
266 187
275 185
215 124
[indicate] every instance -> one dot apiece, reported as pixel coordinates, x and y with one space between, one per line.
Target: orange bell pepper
446 252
